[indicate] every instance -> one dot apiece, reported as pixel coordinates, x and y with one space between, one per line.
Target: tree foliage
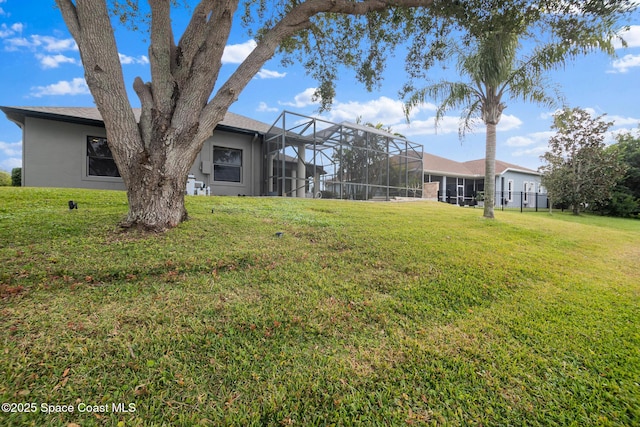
16 177
5 179
579 170
625 200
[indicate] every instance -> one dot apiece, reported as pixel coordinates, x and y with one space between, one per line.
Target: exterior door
461 195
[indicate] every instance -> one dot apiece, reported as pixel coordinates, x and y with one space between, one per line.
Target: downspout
253 178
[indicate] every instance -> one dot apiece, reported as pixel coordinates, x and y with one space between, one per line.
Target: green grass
360 314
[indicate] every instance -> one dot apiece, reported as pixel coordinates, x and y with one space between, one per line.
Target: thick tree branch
199 79
193 36
160 54
70 16
146 101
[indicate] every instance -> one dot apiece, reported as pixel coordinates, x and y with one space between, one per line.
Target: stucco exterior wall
203 168
55 155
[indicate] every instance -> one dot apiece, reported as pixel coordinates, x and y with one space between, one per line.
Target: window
227 164
525 192
99 158
510 190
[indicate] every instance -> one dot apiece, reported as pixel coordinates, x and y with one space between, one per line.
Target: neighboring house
463 182
67 147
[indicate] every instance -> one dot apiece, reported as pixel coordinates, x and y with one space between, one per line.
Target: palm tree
493 73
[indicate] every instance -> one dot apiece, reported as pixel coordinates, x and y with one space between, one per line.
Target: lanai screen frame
306 156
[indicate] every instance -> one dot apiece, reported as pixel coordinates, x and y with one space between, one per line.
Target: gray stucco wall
55 156
251 166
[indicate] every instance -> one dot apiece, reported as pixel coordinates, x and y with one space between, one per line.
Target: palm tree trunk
490 171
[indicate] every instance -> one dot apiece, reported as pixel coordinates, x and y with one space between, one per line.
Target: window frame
240 167
86 172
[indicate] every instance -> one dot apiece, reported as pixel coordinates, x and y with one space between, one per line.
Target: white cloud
623 64
631 36
76 86
622 121
447 125
536 151
548 114
10 163
36 42
268 74
303 99
519 141
126 59
387 111
236 53
16 43
263 107
13 153
451 125
7 31
529 139
54 61
11 149
53 44
508 122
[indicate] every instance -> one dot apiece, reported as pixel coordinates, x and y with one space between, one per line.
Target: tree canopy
625 200
579 171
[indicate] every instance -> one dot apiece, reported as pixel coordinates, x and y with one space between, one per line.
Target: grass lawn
359 314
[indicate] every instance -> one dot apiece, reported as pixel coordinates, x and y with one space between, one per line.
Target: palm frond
449 95
472 111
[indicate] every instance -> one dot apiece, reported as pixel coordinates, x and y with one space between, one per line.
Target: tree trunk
157 208
490 171
491 113
156 188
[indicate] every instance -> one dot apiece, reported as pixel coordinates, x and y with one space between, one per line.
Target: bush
5 179
16 177
621 204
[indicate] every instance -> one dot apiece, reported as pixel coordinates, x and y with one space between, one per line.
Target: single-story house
297 156
463 182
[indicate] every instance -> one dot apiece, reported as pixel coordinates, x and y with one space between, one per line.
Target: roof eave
528 172
18 116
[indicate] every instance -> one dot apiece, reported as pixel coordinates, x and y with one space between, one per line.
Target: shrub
5 179
16 177
621 204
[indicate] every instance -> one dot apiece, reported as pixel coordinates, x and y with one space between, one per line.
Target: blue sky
40 66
